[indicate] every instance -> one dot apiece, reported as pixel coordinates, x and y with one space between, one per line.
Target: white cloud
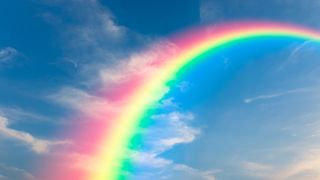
177 131
258 170
172 129
92 41
297 52
13 173
184 86
279 94
253 166
89 10
305 165
171 170
149 159
141 64
168 103
87 104
37 145
7 53
298 48
17 113
195 173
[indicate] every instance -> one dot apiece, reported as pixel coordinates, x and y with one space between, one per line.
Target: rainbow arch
110 150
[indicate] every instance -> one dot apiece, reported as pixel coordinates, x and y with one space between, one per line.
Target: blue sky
247 112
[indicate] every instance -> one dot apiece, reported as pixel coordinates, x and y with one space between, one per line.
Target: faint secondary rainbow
111 148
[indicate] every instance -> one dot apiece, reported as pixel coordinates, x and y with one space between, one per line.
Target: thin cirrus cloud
37 145
298 48
19 114
278 94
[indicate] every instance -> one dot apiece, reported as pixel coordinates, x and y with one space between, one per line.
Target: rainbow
138 93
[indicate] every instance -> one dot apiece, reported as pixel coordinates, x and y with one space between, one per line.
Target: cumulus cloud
172 129
8 53
37 145
177 130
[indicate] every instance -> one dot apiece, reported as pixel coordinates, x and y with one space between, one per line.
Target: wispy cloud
168 103
15 113
297 53
184 86
305 165
298 48
278 94
7 54
171 170
37 145
195 173
84 103
92 37
258 170
12 173
253 166
139 63
150 159
209 12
